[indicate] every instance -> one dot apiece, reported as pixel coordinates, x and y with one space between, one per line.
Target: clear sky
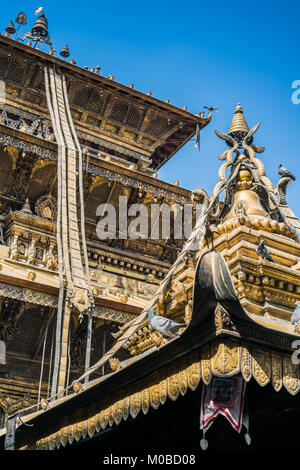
195 53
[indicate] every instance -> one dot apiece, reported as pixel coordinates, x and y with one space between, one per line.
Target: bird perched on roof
296 314
162 324
209 231
263 252
211 108
38 10
284 172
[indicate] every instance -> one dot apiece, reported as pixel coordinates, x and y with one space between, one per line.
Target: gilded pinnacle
238 123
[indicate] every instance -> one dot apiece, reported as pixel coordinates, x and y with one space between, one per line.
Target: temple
82 366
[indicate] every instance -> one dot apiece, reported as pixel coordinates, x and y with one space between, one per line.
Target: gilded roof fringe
220 359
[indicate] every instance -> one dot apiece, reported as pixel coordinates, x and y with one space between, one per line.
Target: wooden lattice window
159 125
89 99
127 113
11 69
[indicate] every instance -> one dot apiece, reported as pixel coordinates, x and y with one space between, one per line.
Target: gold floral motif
118 411
77 431
58 439
194 375
126 407
183 380
291 375
205 365
135 404
52 441
103 418
97 422
110 413
70 433
276 371
145 400
261 367
91 426
173 385
41 444
64 433
84 428
163 391
225 359
246 364
154 396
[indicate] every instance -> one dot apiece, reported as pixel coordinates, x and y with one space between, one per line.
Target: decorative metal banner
225 396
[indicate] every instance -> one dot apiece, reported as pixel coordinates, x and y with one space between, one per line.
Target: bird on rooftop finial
38 10
285 180
211 108
285 173
162 324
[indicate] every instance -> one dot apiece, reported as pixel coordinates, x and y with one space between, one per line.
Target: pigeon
263 252
296 315
211 108
284 172
162 324
38 10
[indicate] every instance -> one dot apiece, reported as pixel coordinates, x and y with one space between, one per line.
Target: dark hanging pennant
224 396
198 137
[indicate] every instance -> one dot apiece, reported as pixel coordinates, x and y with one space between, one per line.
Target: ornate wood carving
223 320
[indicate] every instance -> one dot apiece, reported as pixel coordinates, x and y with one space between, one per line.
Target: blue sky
195 53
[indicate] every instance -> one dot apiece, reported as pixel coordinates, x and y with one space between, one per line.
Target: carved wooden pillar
14 247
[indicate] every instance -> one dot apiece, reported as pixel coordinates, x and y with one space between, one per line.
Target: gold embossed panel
291 375
225 359
261 367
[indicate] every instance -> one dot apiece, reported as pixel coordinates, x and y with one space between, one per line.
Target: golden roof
238 123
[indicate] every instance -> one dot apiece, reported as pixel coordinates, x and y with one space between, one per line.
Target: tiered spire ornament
240 137
249 196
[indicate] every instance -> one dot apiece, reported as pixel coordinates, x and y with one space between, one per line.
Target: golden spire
238 123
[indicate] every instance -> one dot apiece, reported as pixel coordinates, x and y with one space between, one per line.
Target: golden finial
238 123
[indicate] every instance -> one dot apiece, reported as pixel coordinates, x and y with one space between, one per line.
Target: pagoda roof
145 124
221 340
